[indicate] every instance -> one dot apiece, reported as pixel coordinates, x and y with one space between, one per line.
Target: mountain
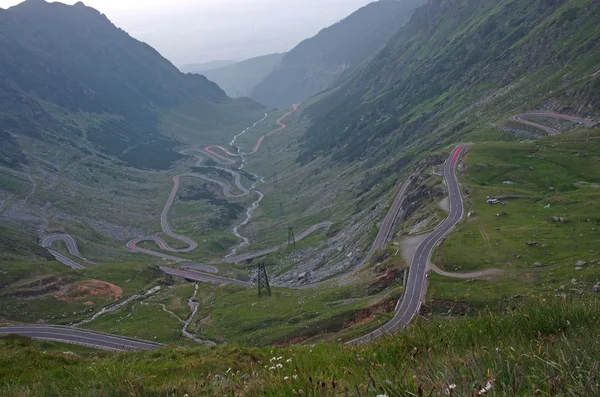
315 64
239 79
70 77
204 67
457 66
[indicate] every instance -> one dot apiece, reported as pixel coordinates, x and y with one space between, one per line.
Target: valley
419 183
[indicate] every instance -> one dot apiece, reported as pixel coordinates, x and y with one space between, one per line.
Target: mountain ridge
70 74
382 107
316 63
239 79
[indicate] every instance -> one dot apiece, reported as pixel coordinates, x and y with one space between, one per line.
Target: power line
263 279
291 237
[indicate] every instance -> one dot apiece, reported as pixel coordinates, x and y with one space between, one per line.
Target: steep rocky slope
68 73
454 58
317 63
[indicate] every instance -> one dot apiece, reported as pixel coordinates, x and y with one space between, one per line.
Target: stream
116 306
194 308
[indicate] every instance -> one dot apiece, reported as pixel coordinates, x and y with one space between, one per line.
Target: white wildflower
286 377
279 358
295 376
228 371
273 359
289 360
382 395
272 368
279 366
486 389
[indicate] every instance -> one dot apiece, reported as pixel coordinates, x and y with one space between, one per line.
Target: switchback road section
416 286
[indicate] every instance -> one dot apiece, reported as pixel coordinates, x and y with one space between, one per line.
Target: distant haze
194 31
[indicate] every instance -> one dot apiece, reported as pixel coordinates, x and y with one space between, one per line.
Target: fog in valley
196 31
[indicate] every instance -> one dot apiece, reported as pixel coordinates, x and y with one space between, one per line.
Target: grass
554 204
24 296
544 347
238 315
547 203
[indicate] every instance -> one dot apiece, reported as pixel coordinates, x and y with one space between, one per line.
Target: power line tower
281 213
291 237
263 279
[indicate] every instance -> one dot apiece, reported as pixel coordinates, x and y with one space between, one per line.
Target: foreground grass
547 347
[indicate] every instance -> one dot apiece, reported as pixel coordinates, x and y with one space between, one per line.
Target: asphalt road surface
71 246
520 118
203 277
81 337
416 286
227 192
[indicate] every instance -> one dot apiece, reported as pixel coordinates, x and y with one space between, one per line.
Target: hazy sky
189 31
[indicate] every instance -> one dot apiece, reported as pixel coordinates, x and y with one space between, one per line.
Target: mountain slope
205 67
239 79
456 58
315 64
71 77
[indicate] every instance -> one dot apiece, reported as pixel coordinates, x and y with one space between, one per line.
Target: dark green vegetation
87 116
317 63
540 348
456 66
70 77
239 79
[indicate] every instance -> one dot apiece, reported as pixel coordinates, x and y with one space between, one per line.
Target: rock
580 264
220 379
537 264
532 243
597 287
498 229
518 256
501 214
508 183
544 245
303 276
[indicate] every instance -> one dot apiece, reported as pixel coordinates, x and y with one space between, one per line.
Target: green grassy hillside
545 347
454 69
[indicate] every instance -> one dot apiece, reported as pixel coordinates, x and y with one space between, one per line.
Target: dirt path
487 274
486 239
410 245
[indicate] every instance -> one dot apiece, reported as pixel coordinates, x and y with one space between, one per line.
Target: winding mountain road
282 126
406 308
227 192
71 246
416 286
520 118
93 339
